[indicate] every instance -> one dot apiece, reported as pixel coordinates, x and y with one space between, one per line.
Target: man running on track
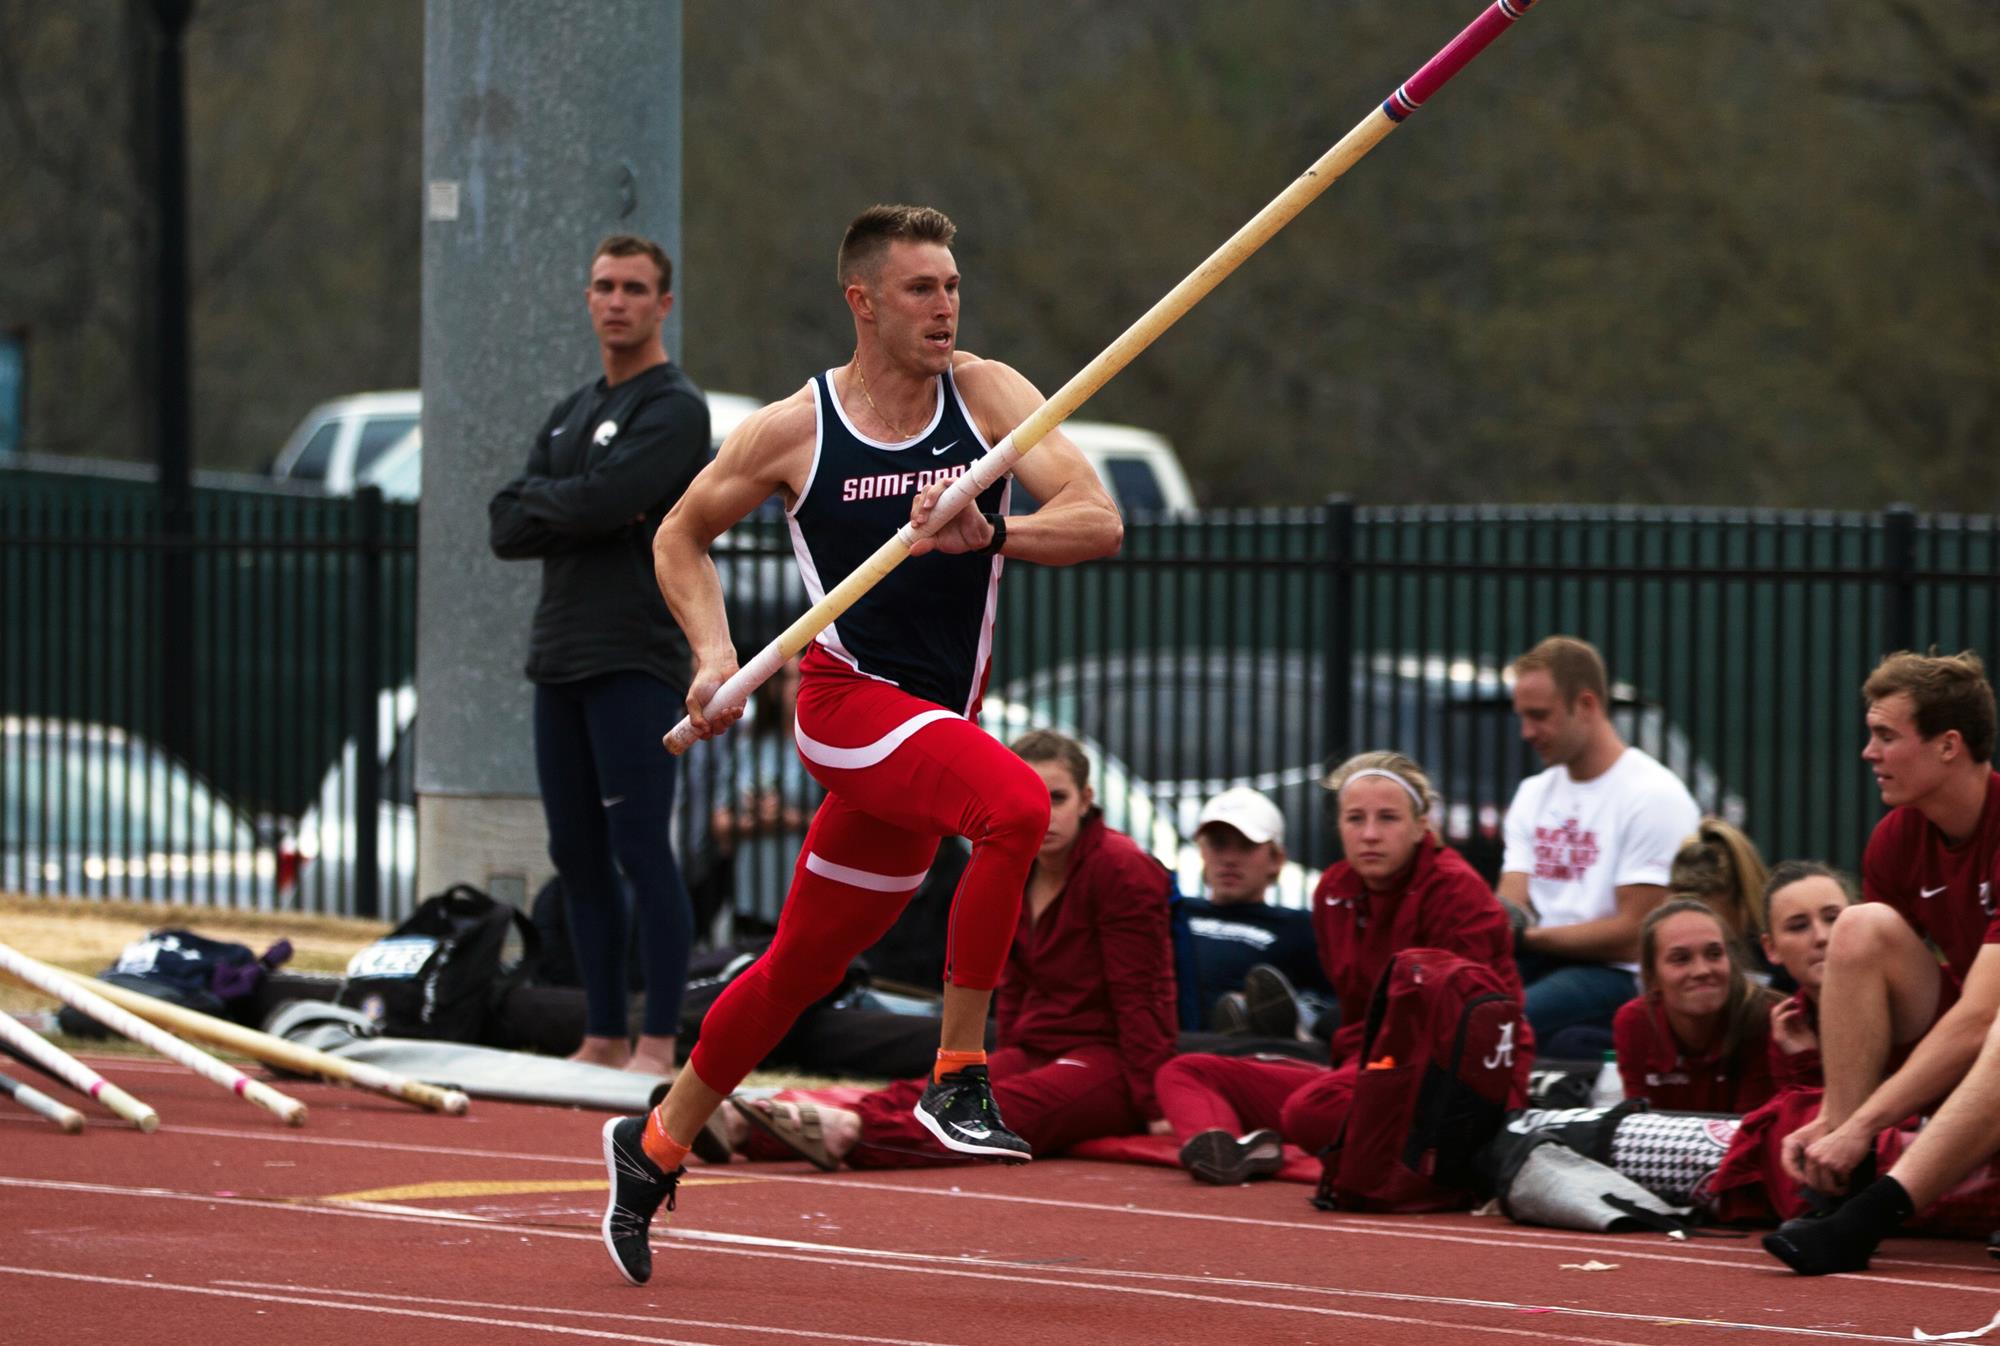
889 692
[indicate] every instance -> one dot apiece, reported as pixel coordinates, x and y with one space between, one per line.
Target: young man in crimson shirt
1932 870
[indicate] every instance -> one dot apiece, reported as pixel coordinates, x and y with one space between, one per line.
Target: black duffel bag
441 973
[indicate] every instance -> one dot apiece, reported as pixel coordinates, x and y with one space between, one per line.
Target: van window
1133 484
310 465
378 437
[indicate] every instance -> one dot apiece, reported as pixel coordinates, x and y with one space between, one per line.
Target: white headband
1416 800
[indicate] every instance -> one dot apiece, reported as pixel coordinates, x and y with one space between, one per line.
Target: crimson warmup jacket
1658 1069
1441 903
1097 967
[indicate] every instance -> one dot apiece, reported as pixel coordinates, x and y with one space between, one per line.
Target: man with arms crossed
1589 841
1931 871
887 690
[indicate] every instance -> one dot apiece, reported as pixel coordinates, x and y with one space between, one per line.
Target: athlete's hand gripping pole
1407 98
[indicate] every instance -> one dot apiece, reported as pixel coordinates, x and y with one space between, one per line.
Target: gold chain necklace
879 413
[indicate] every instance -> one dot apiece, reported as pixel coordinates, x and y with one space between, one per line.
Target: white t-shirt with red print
1580 841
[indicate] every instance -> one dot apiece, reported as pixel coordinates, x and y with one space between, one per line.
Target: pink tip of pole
241 1086
98 1088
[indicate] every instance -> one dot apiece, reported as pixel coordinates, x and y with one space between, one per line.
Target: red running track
377 1223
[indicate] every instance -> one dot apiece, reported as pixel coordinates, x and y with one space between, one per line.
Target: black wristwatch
999 522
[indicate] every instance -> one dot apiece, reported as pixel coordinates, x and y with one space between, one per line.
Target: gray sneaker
1271 1003
1217 1157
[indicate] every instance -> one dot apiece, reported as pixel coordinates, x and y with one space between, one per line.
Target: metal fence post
367 710
1337 690
1899 576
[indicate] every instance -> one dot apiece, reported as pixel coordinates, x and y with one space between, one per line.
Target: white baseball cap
1248 812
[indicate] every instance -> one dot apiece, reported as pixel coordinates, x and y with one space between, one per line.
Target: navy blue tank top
927 626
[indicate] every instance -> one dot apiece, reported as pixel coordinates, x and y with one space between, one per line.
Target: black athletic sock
1844 1240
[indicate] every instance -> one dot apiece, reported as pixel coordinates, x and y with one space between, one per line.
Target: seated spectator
1801 902
1590 841
1241 836
1085 1006
1398 888
1721 866
1905 1023
1698 1038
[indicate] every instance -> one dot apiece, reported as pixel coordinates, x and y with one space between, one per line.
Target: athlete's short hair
1947 691
1573 665
874 229
1046 745
631 245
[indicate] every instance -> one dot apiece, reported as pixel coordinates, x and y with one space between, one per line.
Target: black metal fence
1245 648
177 706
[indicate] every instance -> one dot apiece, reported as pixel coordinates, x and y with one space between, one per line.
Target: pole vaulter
1407 98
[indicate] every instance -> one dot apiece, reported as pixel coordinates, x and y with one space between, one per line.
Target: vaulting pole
1408 97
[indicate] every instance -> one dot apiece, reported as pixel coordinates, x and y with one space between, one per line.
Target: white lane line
874 1259
817 1334
348 1306
1511 1237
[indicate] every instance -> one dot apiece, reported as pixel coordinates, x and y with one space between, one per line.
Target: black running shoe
638 1187
959 1110
1217 1157
1993 1245
1271 1003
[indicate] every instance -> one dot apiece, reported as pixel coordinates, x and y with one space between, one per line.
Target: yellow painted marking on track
441 1191
432 1191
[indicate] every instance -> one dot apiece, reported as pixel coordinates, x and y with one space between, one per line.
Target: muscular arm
758 459
1077 520
1608 939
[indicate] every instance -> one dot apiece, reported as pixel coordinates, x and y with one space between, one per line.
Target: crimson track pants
901 774
1051 1104
1307 1104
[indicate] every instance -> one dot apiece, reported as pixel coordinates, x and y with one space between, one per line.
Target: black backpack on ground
211 976
441 973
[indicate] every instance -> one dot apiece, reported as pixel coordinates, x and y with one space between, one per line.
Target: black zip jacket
606 467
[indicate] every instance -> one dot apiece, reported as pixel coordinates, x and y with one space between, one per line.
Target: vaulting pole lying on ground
35 1101
53 981
990 468
277 1051
75 1073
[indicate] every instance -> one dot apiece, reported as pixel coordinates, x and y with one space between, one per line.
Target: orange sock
950 1061
660 1147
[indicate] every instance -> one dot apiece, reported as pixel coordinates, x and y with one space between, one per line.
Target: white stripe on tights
854 759
861 878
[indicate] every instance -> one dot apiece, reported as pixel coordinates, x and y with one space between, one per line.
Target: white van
396 468
1139 468
339 441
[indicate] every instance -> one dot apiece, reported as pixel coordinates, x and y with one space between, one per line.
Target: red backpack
1446 1048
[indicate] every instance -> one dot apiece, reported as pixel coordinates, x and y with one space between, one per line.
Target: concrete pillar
547 125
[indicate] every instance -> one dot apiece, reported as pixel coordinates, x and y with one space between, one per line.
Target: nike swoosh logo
1930 892
976 1130
943 448
613 801
558 430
